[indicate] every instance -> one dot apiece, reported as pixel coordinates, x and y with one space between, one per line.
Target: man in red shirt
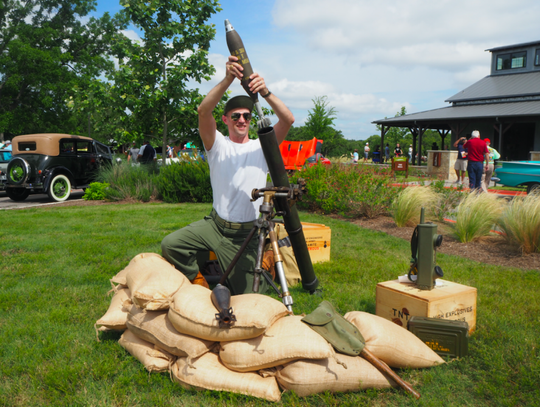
477 154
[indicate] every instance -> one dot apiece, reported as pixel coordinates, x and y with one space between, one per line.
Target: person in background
355 156
366 152
410 153
477 154
397 151
132 154
169 151
8 145
461 162
488 173
387 153
147 154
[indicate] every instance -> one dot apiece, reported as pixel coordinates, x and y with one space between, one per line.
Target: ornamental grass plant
405 208
447 200
129 182
476 216
520 222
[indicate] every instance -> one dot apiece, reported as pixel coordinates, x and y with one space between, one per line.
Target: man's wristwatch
268 94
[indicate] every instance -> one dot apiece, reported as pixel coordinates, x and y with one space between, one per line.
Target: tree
152 80
320 123
45 52
297 134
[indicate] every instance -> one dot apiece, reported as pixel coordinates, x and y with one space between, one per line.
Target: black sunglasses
236 116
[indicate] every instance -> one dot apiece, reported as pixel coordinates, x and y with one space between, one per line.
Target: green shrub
447 199
348 190
130 182
96 191
185 182
476 216
520 221
406 207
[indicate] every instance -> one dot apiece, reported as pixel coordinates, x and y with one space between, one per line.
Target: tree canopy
46 50
320 124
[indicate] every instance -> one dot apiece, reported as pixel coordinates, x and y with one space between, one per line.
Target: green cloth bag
340 333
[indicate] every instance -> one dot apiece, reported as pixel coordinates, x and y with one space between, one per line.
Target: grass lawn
54 277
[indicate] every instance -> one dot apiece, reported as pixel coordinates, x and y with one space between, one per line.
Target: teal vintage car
519 173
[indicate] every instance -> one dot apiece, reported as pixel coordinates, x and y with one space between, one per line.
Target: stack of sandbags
192 313
171 325
148 283
391 343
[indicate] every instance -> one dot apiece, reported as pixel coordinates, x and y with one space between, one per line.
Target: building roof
522 45
500 87
466 112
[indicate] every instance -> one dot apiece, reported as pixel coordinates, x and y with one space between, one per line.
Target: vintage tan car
53 164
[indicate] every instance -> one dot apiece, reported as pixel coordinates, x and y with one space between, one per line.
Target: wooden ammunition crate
399 301
318 241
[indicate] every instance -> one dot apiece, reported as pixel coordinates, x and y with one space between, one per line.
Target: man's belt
230 225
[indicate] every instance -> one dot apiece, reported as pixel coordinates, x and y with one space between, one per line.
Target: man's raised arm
285 116
207 123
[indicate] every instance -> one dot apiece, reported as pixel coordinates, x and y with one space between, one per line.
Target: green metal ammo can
446 337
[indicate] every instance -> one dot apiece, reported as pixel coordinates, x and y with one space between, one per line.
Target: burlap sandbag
116 316
207 372
153 281
391 343
286 340
341 373
154 360
155 327
192 313
121 277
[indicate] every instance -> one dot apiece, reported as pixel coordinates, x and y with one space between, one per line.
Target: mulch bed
490 250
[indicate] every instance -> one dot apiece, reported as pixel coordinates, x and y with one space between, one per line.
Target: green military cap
238 101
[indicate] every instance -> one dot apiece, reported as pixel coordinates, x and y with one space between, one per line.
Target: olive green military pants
180 248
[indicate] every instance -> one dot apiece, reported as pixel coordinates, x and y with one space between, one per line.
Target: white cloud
132 35
431 33
371 58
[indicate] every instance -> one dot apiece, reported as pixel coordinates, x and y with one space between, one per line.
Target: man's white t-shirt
235 170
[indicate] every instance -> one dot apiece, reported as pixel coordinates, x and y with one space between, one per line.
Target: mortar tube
291 219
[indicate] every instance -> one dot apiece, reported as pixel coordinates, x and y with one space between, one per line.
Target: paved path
34 200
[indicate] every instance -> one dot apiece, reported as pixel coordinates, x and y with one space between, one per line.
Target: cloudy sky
368 57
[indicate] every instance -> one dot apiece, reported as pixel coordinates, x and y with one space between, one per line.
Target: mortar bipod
266 226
